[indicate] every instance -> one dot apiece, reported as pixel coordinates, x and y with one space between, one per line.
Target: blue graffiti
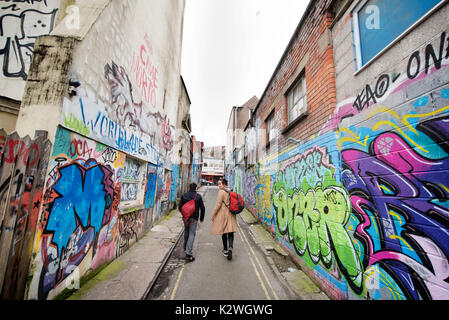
174 183
83 199
150 192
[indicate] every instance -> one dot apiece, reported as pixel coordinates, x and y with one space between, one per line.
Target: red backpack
236 203
187 210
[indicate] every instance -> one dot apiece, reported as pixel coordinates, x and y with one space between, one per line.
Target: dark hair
193 186
224 181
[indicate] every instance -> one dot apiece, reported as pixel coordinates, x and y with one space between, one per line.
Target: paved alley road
211 276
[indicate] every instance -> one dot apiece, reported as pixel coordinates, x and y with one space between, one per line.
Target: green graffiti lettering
75 124
315 222
280 202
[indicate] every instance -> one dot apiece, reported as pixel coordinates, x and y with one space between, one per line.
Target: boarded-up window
132 183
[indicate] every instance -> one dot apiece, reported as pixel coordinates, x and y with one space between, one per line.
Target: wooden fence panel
23 166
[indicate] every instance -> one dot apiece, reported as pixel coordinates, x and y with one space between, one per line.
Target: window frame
269 119
356 34
300 80
139 202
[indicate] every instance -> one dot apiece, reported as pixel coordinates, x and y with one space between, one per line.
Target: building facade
197 161
21 23
392 127
235 133
102 79
213 164
351 168
183 146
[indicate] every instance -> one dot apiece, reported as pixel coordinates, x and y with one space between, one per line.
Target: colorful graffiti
80 209
130 227
84 189
150 190
365 204
312 211
175 182
124 124
83 224
21 188
398 187
263 196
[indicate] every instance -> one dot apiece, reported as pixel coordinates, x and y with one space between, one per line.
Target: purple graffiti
249 184
413 183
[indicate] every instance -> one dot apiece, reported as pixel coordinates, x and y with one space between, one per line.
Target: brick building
349 149
213 164
238 120
300 95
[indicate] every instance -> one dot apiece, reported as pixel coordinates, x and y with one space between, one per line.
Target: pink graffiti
145 72
167 140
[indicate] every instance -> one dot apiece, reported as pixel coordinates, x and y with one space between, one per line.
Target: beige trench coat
223 220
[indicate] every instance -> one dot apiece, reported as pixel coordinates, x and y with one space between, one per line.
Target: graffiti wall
195 172
364 205
21 22
79 225
112 171
121 123
22 162
394 166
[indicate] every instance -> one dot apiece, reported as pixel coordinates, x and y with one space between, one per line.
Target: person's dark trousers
228 241
189 236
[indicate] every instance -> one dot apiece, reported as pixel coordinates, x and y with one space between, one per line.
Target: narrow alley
155 268
211 276
328 120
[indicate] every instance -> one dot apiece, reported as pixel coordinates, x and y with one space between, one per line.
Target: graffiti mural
80 208
22 162
130 227
121 123
150 189
20 24
133 175
175 182
398 185
312 211
146 72
412 226
365 204
420 65
263 197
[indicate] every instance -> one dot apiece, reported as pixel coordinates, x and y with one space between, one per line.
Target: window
132 183
270 127
297 101
379 23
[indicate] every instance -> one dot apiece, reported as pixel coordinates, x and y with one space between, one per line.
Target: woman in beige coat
224 223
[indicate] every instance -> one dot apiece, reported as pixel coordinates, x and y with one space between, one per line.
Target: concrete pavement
130 275
296 280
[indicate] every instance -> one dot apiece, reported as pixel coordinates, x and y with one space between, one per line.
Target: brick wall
362 201
310 51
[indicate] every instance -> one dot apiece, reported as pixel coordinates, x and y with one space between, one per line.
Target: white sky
230 51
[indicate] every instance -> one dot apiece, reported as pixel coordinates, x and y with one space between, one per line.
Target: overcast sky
230 51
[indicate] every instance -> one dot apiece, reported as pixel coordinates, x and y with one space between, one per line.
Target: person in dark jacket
190 229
